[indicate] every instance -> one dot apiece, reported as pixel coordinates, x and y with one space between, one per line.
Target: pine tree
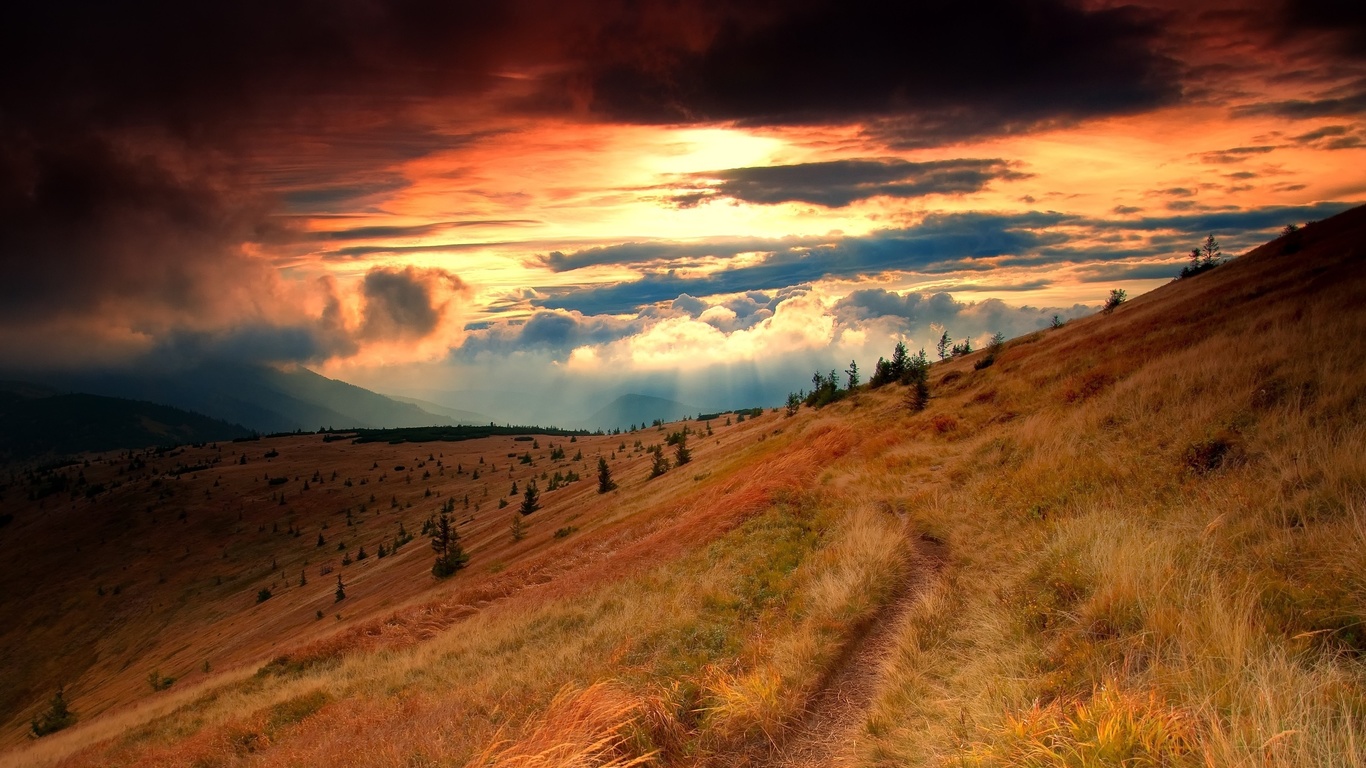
605 483
530 498
900 359
660 465
1211 252
446 544
517 528
681 453
341 590
945 345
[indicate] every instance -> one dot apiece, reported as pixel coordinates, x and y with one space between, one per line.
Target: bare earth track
827 735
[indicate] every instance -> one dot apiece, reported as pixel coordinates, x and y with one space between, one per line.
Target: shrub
55 718
159 683
263 596
1117 296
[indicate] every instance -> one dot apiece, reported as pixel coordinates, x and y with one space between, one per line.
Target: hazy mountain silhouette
35 422
637 409
259 397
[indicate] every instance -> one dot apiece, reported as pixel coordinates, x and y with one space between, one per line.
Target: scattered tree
518 528
263 596
681 453
994 347
530 499
446 544
660 464
1204 258
158 682
340 593
605 483
1117 296
944 345
852 373
57 716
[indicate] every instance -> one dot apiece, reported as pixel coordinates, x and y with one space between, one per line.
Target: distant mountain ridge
35 422
259 397
461 416
637 409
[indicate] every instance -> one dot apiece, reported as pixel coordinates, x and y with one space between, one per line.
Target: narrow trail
826 737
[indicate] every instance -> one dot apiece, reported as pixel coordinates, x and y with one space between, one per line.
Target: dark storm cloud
945 243
838 183
254 343
405 303
417 230
1235 154
359 251
1304 109
1322 133
933 73
660 251
938 243
1252 220
1343 20
556 332
925 315
1105 273
133 137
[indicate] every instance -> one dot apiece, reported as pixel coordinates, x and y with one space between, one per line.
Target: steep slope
1147 529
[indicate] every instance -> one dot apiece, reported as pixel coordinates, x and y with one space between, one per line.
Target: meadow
1137 539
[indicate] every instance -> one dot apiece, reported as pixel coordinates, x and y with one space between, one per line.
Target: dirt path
826 736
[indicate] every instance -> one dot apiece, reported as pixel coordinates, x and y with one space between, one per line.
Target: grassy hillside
1136 540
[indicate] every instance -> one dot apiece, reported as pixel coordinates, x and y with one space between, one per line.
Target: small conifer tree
446 544
681 453
660 464
340 593
605 483
530 498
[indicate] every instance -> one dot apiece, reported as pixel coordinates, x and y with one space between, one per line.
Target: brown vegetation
1152 536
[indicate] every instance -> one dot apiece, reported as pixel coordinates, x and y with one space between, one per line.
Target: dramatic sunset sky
558 202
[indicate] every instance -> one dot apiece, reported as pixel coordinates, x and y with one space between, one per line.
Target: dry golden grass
1153 530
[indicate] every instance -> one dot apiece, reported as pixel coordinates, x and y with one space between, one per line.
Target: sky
531 206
